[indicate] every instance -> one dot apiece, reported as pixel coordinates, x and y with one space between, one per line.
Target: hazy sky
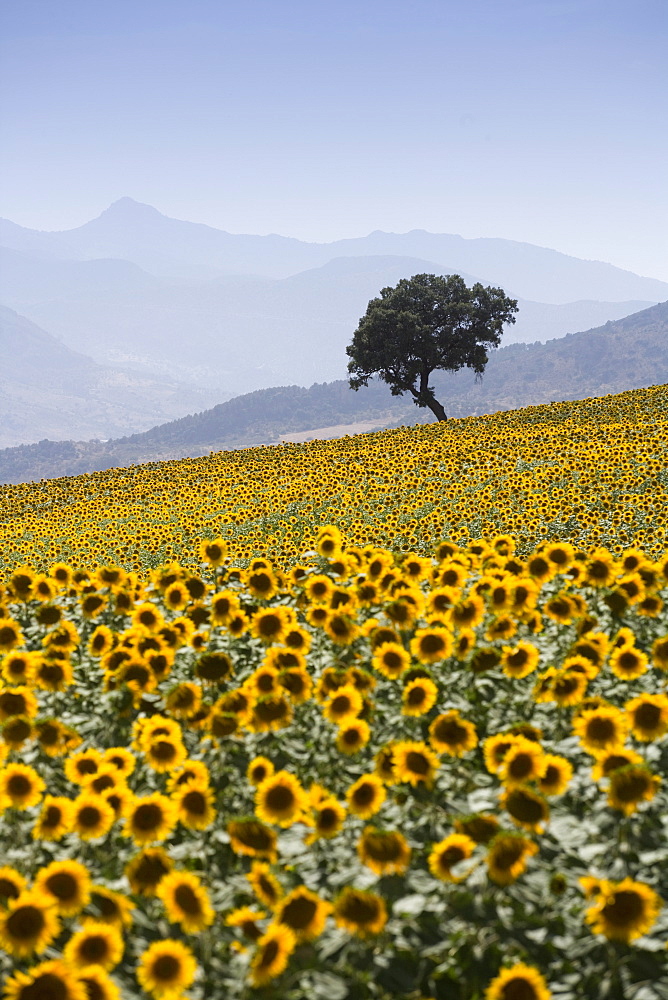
536 120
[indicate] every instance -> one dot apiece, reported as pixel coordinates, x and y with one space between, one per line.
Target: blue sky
536 120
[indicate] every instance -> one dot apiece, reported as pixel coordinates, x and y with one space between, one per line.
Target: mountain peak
129 208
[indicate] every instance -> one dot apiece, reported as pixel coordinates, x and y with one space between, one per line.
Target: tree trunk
437 409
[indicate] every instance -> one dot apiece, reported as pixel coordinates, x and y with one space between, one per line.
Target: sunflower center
521 765
63 886
25 923
148 816
431 644
525 807
600 729
163 750
186 898
12 704
625 909
150 871
417 762
648 716
195 802
280 798
451 856
359 910
94 949
166 968
299 913
19 786
48 986
89 817
268 954
416 696
631 787
517 989
364 795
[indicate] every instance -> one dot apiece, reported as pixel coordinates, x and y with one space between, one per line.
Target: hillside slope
627 354
49 390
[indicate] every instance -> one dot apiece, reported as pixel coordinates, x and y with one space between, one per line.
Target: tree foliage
426 323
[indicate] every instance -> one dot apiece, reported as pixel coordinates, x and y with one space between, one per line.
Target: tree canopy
427 323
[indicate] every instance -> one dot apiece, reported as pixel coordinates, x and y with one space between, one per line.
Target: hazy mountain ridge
627 354
47 389
140 233
242 332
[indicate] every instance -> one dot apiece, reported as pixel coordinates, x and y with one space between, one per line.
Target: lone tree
427 323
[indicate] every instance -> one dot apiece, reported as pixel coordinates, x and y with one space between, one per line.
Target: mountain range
627 354
162 316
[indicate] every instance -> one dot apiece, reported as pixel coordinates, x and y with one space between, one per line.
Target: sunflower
19 667
352 736
11 635
265 885
366 796
251 837
340 628
480 827
630 785
164 755
80 766
297 682
122 759
270 713
304 912
92 816
259 769
272 955
246 919
449 853
468 611
166 968
146 869
385 853
99 985
362 913
527 808
431 645
391 659
628 663
495 749
96 944
21 785
12 884
17 731
48 980
415 762
601 728
519 982
328 816
507 857
110 907
556 775
17 701
67 883
186 901
281 799
523 762
623 910
608 761
519 660
568 687
150 817
419 696
648 716
271 624
29 924
449 733
194 803
214 667
660 652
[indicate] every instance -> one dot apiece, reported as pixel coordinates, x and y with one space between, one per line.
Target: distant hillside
243 332
626 354
47 389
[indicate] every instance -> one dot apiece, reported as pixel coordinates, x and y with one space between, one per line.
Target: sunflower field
384 718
